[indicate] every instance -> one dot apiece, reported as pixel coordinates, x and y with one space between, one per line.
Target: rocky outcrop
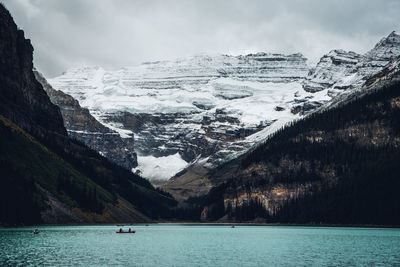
330 70
342 70
23 100
81 125
383 52
271 199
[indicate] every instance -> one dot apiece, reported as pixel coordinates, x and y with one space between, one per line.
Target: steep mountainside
84 127
22 98
39 186
199 112
47 176
336 166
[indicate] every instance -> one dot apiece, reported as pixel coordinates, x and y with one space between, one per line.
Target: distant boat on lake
126 232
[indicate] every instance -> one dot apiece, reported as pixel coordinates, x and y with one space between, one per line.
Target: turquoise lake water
200 245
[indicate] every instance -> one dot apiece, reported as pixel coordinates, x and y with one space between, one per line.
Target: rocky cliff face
342 70
22 98
84 127
330 71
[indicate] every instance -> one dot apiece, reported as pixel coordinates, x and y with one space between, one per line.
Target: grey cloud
117 33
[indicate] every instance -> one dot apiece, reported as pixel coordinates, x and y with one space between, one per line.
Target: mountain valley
261 137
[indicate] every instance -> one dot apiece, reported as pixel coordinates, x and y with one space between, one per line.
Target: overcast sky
118 33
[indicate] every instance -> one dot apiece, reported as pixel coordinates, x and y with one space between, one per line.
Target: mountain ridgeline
47 177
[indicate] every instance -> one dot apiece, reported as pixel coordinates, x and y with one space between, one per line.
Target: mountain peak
386 49
392 40
342 69
393 34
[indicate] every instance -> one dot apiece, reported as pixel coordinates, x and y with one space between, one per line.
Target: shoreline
210 224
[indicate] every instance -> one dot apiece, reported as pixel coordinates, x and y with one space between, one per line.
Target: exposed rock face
85 128
23 100
341 70
384 51
270 198
330 70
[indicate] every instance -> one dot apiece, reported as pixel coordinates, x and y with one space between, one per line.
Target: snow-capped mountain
207 109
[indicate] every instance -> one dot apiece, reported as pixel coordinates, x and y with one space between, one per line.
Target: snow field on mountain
160 168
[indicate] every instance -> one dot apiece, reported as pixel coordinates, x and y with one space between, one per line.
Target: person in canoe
129 231
36 232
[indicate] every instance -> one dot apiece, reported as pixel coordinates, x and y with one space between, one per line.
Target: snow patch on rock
159 168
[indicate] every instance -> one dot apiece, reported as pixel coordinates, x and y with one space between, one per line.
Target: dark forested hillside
45 176
340 166
79 178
